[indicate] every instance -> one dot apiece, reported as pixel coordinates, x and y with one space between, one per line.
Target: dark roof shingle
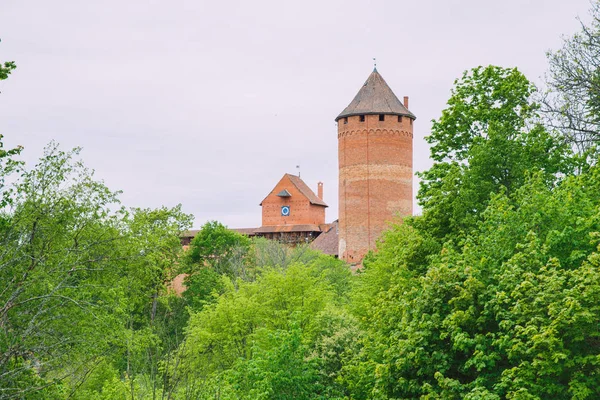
375 97
328 241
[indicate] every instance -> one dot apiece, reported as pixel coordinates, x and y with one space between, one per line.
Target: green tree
510 313
6 68
572 102
219 248
261 339
202 288
81 282
485 140
59 306
8 165
153 247
281 371
214 252
273 254
489 294
153 234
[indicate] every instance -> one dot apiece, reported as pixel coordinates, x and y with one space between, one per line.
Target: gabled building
375 155
292 212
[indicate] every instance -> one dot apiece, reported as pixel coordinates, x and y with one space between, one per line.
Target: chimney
406 101
320 190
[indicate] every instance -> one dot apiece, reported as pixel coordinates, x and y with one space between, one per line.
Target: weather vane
374 63
298 168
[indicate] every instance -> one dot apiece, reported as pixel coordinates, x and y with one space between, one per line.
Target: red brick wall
301 211
375 179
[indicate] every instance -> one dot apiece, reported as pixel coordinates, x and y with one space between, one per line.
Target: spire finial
374 64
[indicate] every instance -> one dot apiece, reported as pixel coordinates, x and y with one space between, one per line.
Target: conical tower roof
375 97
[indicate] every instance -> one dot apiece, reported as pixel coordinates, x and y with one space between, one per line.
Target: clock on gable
285 211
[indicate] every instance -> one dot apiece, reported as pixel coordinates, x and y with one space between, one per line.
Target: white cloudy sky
209 103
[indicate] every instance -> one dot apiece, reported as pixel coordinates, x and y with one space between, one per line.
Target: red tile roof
302 188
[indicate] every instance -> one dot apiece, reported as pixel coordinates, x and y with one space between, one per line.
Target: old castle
375 141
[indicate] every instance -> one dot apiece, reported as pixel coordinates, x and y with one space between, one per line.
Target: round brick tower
375 134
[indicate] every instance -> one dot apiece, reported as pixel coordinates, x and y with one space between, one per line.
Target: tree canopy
486 140
492 293
572 101
75 270
6 68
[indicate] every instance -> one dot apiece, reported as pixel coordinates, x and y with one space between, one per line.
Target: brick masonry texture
301 210
375 179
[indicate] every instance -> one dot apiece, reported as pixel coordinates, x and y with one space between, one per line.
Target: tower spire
375 97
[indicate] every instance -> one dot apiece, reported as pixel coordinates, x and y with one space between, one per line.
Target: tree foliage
572 103
75 269
512 313
256 339
217 247
485 141
493 293
6 68
8 164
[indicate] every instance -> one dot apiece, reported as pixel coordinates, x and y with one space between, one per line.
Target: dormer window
362 118
381 117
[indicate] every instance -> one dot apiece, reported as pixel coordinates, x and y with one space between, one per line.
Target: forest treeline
492 293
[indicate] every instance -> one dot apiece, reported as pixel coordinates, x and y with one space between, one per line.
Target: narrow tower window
381 117
345 120
362 118
399 118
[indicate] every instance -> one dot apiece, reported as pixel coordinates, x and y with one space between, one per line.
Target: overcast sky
209 103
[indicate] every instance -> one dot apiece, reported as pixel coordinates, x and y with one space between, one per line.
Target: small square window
345 120
399 118
381 117
362 118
